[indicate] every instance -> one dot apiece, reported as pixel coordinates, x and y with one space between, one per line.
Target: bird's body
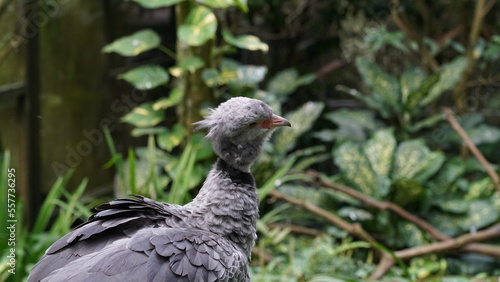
208 239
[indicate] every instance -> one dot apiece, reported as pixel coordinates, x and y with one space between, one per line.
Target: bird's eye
253 124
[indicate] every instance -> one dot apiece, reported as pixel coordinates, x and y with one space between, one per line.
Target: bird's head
239 127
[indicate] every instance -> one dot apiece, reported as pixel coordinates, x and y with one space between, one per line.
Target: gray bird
208 239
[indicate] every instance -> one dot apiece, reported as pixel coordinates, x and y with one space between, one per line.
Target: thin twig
353 228
261 255
333 65
464 243
370 202
460 89
452 244
298 229
472 147
409 31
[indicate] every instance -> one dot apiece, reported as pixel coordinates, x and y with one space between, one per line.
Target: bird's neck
227 205
239 155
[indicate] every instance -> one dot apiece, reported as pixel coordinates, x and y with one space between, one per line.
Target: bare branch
353 228
370 202
298 229
445 246
472 147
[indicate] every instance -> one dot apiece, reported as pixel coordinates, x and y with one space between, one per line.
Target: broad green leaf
217 3
144 116
353 125
316 197
482 188
302 120
368 100
356 169
229 64
411 234
211 77
286 81
455 206
190 64
384 85
379 150
236 74
242 74
406 191
411 80
249 42
146 77
481 214
247 74
410 159
174 98
241 4
200 26
283 82
417 95
153 4
484 134
305 79
449 75
447 175
427 122
354 214
140 131
376 38
430 166
449 224
134 44
171 138
470 120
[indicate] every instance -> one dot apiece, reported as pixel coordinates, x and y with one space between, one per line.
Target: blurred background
97 100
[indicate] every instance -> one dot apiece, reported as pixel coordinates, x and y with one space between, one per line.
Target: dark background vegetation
363 82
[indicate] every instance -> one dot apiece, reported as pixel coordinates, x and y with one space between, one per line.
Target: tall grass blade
131 171
271 183
47 208
116 159
3 200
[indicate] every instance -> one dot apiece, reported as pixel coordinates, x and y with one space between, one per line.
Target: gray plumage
208 239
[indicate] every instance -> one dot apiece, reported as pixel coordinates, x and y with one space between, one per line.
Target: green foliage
242 4
189 64
386 163
59 211
379 37
474 126
379 166
134 44
404 99
352 125
302 120
146 77
409 174
200 26
144 116
152 4
173 99
249 42
304 259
